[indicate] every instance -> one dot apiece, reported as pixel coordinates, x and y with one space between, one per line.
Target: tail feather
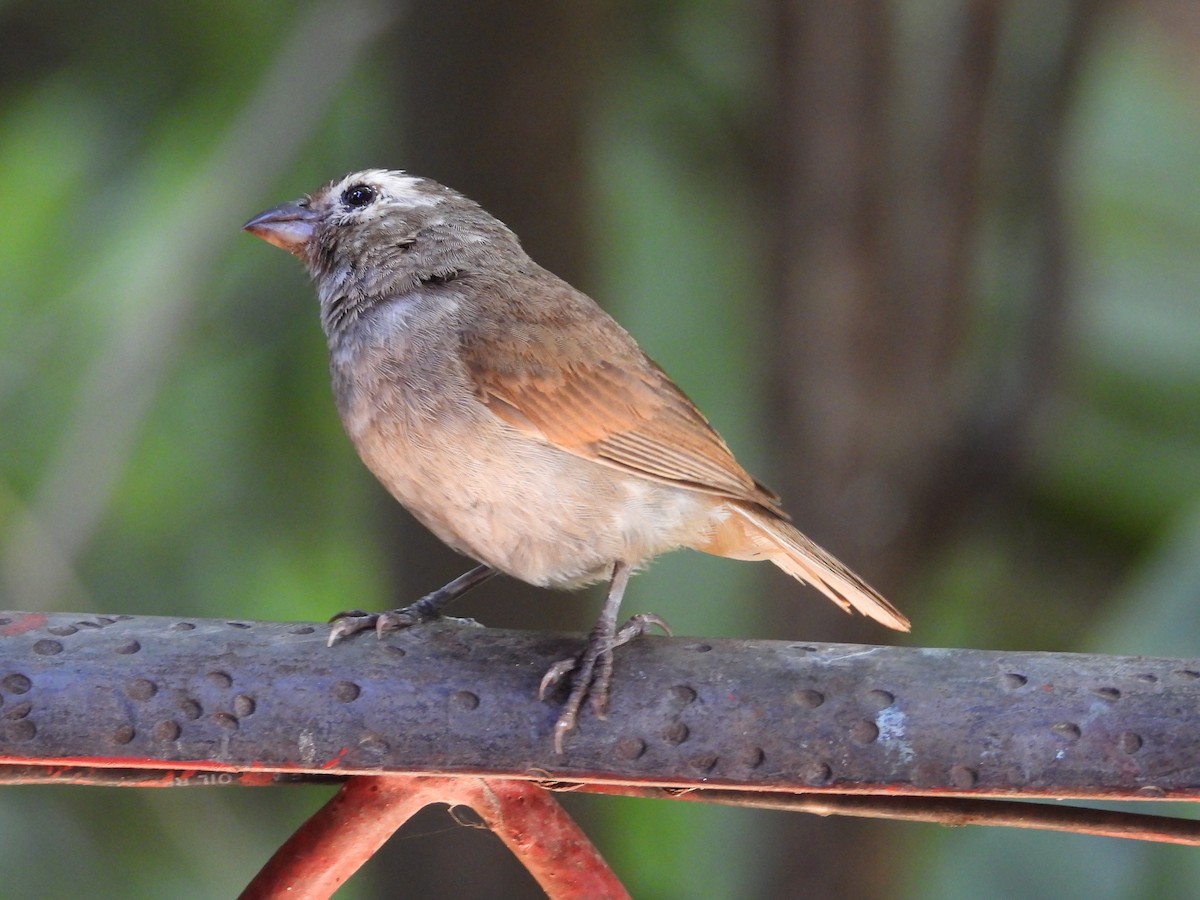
766 536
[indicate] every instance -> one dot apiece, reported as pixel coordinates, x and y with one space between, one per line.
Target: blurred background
930 267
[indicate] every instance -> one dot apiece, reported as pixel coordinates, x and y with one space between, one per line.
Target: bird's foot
591 673
426 609
352 621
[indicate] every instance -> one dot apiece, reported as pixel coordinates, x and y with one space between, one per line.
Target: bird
518 421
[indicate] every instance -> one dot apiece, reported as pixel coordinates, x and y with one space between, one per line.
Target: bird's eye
358 196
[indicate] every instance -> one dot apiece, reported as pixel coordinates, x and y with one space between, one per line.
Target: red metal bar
342 835
335 842
545 839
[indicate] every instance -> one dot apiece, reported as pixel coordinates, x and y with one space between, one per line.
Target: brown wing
581 383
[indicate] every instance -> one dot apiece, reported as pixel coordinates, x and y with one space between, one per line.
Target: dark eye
358 196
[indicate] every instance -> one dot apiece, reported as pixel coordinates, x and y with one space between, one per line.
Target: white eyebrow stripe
395 184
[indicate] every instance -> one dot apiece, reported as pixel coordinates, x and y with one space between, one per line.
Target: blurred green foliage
169 445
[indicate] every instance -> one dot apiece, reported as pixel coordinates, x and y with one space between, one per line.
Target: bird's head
380 233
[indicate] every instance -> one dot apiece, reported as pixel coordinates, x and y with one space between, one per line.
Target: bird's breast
501 496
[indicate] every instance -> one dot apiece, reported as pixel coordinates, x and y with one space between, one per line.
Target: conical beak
289 227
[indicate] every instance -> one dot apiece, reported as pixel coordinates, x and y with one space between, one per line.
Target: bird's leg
426 609
591 670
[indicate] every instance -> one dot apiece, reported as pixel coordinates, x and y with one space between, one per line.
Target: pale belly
525 508
488 490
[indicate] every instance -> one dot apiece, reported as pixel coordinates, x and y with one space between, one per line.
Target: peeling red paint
26 622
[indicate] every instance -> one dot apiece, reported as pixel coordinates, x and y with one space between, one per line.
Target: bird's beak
289 227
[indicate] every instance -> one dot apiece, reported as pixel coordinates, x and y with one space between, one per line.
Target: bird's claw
592 674
589 683
639 625
349 622
355 620
555 674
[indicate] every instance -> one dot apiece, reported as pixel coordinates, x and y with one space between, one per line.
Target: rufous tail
752 532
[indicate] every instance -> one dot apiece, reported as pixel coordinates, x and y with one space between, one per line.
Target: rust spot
122 734
816 772
683 694
47 647
864 732
963 777
191 709
141 689
243 705
16 683
629 748
225 720
20 730
1129 742
926 775
705 763
807 699
880 700
222 680
752 757
675 733
20 711
346 691
1068 731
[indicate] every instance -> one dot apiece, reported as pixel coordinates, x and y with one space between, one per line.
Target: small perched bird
517 420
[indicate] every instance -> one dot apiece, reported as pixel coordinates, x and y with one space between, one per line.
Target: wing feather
585 386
